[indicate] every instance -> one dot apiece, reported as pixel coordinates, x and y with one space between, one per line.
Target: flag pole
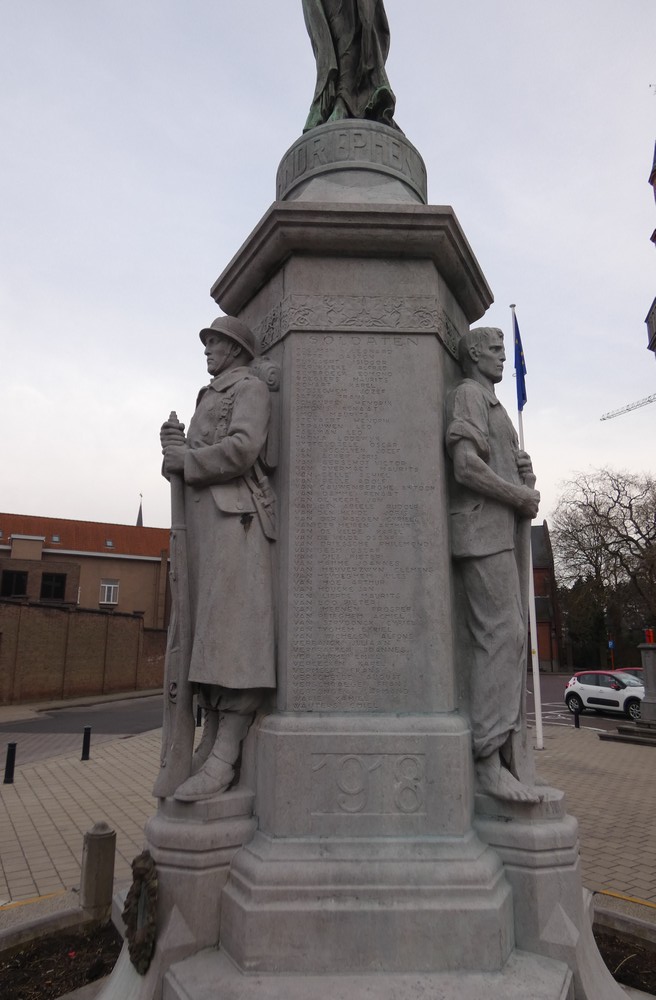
533 630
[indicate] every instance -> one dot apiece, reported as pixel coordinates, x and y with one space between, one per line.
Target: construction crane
629 407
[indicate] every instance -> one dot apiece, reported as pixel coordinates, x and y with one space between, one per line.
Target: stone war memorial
361 818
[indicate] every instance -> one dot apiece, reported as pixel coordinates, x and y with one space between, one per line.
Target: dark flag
520 366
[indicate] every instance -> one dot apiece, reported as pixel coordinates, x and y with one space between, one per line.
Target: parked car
605 690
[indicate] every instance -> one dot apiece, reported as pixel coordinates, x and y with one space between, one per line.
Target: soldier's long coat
230 528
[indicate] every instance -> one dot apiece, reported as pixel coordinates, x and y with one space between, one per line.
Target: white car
606 691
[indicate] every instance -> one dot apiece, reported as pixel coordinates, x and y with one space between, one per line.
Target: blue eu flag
520 367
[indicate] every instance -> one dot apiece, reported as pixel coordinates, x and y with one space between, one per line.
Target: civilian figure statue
222 645
492 503
350 41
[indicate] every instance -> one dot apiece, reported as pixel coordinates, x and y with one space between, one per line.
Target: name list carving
362 497
383 314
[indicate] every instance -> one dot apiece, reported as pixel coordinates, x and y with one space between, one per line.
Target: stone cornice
404 231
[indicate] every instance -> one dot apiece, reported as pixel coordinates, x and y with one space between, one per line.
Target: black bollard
9 764
199 716
86 743
577 720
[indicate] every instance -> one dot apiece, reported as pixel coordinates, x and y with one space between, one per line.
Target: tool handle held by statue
178 722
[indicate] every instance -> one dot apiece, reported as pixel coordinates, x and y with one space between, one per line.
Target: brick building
83 607
546 600
86 564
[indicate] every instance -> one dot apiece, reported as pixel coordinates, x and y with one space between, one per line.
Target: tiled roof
86 536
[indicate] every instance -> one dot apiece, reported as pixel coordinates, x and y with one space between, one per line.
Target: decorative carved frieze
370 313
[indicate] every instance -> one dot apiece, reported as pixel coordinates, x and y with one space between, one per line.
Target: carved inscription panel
373 783
368 576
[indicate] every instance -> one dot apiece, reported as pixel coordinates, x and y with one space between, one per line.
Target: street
60 731
555 711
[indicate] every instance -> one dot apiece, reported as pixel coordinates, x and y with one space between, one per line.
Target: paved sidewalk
52 804
610 788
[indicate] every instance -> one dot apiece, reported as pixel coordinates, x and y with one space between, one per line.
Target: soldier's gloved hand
172 433
174 456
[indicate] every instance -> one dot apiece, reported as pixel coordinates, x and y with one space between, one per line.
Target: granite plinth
523 976
192 845
538 845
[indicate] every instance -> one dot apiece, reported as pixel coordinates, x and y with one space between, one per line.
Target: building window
56 538
53 586
14 583
109 592
109 543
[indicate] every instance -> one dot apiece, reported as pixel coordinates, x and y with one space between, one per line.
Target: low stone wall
51 652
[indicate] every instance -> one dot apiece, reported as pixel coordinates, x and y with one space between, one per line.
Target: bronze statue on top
350 40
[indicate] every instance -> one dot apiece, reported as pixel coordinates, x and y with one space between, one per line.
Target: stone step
628 737
523 976
638 729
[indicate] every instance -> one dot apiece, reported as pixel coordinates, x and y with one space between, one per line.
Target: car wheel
632 709
574 703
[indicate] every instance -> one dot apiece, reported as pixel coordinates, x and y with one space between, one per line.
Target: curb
634 929
99 699
15 937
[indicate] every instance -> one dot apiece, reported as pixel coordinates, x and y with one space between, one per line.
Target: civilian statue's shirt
480 525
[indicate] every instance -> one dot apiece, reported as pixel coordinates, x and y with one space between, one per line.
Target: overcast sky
140 142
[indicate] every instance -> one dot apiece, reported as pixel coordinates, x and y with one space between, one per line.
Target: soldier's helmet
231 327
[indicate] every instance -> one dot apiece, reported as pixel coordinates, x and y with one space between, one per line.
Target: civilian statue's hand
528 501
524 464
174 456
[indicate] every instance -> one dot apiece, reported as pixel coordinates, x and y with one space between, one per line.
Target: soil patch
56 965
631 965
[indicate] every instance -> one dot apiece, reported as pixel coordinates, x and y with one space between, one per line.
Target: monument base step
524 977
625 735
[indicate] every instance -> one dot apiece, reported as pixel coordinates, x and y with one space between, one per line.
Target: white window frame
108 592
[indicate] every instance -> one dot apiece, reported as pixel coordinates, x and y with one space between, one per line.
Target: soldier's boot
216 774
207 740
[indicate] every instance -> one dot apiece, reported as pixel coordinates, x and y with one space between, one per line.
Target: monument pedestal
524 977
538 845
365 849
192 846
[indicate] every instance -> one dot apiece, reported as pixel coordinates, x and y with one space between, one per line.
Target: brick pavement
53 803
610 788
37 746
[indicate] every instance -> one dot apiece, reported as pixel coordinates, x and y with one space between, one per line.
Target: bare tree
604 532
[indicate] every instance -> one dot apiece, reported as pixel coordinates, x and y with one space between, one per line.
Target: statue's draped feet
495 779
214 777
340 111
207 740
